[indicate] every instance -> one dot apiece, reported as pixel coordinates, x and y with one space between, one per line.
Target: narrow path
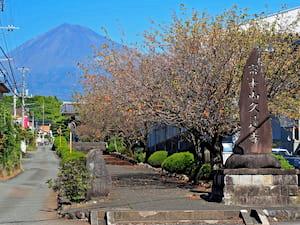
26 199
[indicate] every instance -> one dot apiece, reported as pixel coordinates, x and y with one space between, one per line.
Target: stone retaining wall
279 188
87 146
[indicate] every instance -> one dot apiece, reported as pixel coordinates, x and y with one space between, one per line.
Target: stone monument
252 175
254 146
100 179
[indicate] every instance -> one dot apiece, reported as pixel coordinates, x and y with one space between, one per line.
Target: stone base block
252 161
266 189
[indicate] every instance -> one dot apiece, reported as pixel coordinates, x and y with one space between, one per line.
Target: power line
10 75
7 81
10 67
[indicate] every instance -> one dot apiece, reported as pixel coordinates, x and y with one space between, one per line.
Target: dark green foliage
116 144
283 162
157 158
30 137
73 180
9 142
63 150
139 156
204 172
51 109
181 162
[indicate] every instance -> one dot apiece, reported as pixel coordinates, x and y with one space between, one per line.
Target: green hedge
73 178
157 158
63 150
283 162
181 162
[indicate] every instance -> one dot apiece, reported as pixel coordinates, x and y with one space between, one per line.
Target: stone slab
94 217
166 217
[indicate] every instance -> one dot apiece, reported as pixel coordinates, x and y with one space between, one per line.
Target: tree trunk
216 152
199 150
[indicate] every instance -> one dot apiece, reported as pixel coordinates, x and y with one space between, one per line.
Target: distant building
3 89
45 128
286 19
68 109
282 132
165 137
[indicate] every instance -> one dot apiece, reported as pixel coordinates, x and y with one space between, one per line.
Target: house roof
3 88
68 108
286 19
283 11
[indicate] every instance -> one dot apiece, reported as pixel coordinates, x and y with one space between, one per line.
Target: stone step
126 217
178 222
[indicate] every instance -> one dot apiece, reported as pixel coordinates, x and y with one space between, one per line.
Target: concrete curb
122 216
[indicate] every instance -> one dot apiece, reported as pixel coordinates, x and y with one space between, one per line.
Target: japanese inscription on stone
256 133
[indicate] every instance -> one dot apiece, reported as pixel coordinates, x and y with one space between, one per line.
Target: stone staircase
113 160
183 217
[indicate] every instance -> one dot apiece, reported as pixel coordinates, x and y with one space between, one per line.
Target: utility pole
33 127
2 5
43 112
23 71
15 103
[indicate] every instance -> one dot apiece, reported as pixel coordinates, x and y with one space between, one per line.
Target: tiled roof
3 88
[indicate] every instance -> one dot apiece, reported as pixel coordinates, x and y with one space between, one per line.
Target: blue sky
129 16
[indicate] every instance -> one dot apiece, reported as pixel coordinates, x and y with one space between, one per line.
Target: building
3 89
69 109
286 19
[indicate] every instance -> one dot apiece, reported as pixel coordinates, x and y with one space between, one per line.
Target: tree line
187 74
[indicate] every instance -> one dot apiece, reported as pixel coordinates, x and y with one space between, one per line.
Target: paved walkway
26 199
140 188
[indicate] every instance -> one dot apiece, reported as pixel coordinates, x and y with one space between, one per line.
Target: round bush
179 162
204 172
157 158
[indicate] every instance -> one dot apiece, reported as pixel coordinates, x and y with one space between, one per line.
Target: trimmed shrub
73 178
181 162
63 151
283 162
157 158
204 172
72 181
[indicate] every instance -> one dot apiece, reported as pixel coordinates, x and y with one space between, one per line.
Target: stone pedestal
260 187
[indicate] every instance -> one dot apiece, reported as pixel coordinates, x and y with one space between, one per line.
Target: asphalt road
26 199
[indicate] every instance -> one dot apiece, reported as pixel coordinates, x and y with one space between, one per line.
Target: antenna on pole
2 5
